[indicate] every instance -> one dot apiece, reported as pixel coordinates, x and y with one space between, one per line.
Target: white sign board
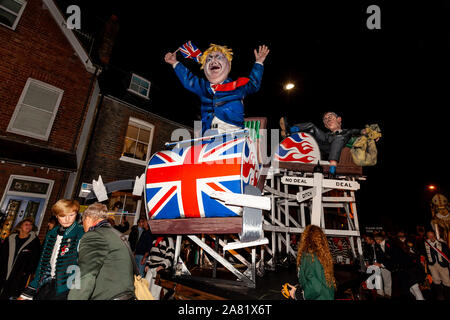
299 181
326 183
340 184
85 189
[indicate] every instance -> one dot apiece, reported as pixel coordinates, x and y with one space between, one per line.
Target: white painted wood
306 194
244 200
340 184
239 245
298 181
316 211
222 261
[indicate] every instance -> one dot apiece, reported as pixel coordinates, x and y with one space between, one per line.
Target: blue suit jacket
225 105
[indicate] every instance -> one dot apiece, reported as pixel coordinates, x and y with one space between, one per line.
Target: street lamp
432 187
289 86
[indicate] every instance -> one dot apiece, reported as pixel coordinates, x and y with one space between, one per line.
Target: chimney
107 40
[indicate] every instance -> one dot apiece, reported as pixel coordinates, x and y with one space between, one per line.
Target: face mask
217 67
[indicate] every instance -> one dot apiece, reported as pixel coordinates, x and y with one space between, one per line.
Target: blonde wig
63 207
213 48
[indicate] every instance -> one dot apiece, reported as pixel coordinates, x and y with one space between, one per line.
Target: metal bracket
252 219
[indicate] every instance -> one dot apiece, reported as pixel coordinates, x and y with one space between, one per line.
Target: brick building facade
48 88
109 153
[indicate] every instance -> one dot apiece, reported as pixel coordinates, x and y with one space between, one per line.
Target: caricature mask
216 62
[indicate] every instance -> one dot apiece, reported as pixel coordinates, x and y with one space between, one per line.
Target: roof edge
76 45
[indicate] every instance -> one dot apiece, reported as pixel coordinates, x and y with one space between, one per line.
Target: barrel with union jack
179 182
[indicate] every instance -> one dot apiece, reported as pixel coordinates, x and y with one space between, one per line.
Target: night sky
398 77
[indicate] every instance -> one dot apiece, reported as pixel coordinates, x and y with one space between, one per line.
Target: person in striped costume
161 257
59 257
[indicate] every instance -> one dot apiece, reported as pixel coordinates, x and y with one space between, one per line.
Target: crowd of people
413 265
409 266
85 257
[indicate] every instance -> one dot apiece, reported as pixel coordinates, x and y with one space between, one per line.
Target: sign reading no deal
298 181
326 183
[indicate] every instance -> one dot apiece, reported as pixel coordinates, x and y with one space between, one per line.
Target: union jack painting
299 147
179 181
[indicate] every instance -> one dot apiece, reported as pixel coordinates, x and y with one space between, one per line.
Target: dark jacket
105 265
434 257
123 227
67 257
16 269
410 270
369 253
140 245
225 104
330 144
389 258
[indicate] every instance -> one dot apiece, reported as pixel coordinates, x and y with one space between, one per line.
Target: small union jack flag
179 182
189 50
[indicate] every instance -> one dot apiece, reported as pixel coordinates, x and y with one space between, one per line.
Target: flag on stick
189 50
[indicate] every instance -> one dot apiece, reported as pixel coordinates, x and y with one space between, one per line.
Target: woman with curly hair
315 266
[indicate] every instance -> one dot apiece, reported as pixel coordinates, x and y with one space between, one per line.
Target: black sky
397 77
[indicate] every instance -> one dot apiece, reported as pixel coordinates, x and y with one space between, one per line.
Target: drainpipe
88 146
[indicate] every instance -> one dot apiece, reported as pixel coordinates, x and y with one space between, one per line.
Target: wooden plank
239 245
197 226
346 166
340 169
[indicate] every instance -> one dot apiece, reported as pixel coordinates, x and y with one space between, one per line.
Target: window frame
20 104
46 196
18 15
140 123
138 93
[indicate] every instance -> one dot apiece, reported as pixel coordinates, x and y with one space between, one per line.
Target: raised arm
171 58
261 54
256 75
190 81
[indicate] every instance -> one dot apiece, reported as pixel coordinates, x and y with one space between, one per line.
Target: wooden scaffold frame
280 223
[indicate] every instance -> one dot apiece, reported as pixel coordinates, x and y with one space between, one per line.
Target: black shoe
285 129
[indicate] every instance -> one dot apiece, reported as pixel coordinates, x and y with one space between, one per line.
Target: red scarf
230 86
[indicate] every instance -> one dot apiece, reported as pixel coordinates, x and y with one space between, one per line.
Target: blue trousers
141 267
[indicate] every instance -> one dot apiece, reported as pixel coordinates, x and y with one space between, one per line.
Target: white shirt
54 256
382 245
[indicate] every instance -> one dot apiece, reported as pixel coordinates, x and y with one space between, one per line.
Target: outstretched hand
261 54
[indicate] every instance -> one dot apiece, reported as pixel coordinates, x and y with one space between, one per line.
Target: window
139 86
138 141
10 12
36 110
